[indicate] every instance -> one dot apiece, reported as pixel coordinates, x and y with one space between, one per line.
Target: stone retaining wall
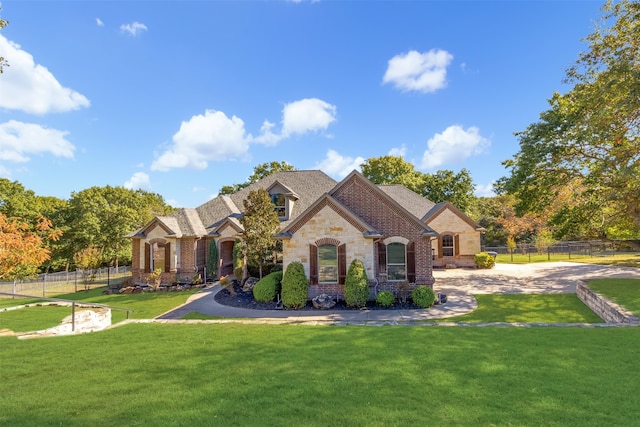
609 311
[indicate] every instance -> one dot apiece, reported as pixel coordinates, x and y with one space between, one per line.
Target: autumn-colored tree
22 251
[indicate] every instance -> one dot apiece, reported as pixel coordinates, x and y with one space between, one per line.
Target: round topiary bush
356 285
385 298
295 289
267 288
423 296
484 260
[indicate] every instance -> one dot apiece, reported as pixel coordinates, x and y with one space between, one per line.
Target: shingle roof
215 210
308 185
411 201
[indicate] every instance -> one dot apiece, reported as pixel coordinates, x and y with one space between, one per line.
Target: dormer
283 198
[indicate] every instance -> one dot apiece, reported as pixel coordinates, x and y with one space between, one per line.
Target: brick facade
328 222
362 199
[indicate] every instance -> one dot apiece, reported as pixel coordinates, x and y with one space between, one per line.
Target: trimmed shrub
267 288
385 298
484 260
238 259
423 296
356 285
295 288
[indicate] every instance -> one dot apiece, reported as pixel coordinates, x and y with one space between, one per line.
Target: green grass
544 308
268 375
33 318
625 292
144 305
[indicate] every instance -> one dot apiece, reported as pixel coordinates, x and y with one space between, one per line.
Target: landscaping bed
244 299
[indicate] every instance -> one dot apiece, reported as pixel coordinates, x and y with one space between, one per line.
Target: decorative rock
450 266
323 302
249 284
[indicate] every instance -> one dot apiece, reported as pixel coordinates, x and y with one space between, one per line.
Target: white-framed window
447 245
280 203
396 261
328 263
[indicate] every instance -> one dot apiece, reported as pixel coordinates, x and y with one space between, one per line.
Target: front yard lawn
144 305
531 308
625 292
33 318
287 375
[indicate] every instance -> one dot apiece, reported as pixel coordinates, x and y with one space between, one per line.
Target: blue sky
181 98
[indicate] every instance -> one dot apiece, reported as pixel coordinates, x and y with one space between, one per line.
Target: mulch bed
245 300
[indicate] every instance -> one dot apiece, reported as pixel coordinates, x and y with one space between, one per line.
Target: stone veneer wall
609 311
327 223
468 239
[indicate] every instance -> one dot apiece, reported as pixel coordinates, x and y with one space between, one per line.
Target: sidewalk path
459 284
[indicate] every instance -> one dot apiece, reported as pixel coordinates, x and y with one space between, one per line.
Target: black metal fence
66 281
567 250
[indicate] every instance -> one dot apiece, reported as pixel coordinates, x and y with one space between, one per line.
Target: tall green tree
101 217
261 224
442 186
393 170
260 171
446 186
589 137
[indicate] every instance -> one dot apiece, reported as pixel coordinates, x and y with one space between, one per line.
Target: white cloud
18 140
307 115
337 165
133 28
30 87
422 72
398 151
209 137
138 180
454 145
485 190
99 22
299 117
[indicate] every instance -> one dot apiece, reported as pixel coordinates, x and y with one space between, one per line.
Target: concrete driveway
550 277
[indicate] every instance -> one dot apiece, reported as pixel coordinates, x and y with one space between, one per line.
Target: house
399 235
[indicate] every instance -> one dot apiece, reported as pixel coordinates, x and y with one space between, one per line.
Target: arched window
396 261
328 263
447 245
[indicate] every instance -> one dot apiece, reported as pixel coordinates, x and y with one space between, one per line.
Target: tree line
86 231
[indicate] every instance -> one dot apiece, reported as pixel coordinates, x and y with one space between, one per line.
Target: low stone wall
609 311
87 319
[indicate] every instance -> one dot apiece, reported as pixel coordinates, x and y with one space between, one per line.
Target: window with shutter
313 264
447 245
396 261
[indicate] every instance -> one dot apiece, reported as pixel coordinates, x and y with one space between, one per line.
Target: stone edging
608 310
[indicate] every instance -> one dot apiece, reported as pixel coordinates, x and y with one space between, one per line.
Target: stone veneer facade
468 239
